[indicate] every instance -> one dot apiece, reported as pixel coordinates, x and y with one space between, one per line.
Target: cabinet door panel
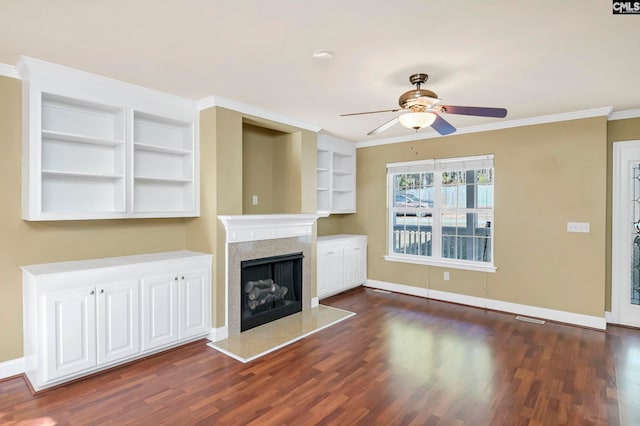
159 311
354 265
193 298
330 271
118 320
70 332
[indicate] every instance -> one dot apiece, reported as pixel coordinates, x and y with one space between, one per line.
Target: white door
159 310
625 241
118 320
192 300
71 332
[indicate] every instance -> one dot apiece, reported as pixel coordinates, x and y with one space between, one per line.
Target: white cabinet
85 316
90 326
95 148
159 311
174 306
336 175
118 320
342 263
70 331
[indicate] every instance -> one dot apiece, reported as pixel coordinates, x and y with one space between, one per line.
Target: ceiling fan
423 109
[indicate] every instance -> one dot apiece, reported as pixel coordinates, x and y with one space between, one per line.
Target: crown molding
217 101
621 115
9 71
27 67
543 119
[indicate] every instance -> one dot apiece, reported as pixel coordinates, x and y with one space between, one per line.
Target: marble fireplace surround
256 236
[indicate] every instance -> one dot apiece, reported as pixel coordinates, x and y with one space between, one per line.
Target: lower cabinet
82 317
342 263
174 307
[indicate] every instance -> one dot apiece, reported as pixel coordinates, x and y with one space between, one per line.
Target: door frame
620 239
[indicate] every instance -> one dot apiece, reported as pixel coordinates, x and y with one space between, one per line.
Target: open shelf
80 174
156 179
70 137
335 175
165 150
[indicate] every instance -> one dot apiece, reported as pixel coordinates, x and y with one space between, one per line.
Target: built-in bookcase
163 164
324 181
96 148
82 157
336 180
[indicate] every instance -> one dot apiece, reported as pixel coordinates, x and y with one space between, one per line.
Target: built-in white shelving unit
96 148
336 176
163 164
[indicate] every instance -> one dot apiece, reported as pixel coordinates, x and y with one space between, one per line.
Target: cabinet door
330 271
354 265
192 300
71 332
118 320
159 311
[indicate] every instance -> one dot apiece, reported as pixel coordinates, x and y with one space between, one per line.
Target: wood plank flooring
401 360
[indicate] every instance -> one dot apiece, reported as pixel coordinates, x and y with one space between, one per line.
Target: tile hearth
262 340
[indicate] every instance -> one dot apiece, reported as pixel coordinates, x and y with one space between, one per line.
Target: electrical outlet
578 227
254 200
446 276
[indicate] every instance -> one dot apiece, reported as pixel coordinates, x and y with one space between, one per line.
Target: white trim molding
9 71
315 301
622 115
217 334
582 320
12 368
218 101
552 118
256 227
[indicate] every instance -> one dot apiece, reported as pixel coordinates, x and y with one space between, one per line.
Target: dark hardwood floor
401 360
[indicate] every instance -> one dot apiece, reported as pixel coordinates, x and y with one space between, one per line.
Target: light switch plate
578 227
254 200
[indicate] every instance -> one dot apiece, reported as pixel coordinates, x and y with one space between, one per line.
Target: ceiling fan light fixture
417 120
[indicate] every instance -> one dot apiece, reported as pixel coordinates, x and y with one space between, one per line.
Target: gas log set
262 292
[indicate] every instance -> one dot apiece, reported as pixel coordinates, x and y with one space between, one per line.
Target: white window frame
437 167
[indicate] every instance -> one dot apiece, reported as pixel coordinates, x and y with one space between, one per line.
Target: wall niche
271 170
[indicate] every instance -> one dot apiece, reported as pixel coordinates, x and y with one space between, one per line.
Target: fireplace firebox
271 288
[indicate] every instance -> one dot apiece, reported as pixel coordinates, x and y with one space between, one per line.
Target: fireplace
271 288
253 237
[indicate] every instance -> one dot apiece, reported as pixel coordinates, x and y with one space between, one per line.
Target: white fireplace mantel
242 228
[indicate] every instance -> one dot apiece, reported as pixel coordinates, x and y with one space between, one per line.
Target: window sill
442 263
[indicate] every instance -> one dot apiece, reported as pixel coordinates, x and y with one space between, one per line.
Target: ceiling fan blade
477 111
383 127
371 112
442 126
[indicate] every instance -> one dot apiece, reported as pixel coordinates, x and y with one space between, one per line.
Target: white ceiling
534 58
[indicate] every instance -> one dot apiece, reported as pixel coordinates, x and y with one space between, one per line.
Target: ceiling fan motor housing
419 99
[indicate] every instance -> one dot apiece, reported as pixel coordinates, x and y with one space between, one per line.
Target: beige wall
25 243
617 131
546 175
257 168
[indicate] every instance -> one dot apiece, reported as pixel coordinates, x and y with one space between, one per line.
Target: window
441 212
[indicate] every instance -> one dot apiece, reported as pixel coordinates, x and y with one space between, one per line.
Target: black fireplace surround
271 288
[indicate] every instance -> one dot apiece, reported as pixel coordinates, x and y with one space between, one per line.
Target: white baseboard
496 305
315 301
219 333
12 368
